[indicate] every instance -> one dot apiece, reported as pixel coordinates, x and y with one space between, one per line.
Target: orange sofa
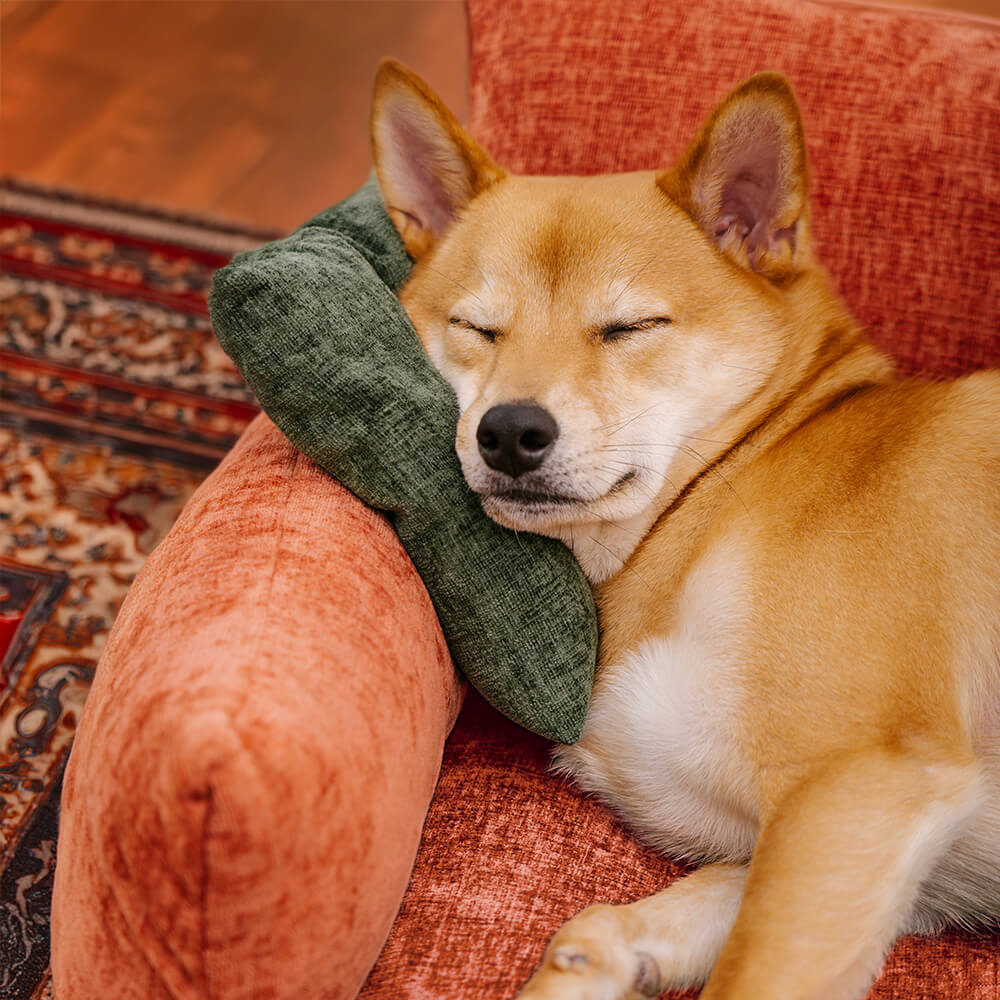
273 723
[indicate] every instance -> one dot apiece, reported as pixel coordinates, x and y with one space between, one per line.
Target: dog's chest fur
660 743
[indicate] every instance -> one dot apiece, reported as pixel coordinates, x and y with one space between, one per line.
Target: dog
795 554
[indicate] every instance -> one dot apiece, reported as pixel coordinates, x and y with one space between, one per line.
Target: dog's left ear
744 178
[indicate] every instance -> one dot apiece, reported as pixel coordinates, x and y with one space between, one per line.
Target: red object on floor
9 624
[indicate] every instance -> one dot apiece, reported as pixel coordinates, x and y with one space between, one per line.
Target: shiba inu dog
795 554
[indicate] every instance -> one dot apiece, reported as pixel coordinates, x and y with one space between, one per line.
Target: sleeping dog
795 554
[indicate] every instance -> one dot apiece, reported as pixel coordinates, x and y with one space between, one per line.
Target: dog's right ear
428 168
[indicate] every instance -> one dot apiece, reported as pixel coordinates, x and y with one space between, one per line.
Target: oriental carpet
115 402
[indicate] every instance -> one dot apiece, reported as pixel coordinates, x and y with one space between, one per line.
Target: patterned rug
115 402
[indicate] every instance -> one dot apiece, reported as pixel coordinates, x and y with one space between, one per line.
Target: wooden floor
254 111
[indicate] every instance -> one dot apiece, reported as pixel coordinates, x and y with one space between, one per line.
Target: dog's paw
592 957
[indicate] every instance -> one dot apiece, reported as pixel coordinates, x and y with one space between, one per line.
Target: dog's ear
428 168
744 179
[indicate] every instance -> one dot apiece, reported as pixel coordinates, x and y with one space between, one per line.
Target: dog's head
601 333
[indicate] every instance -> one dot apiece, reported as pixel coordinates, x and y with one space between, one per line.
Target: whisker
517 535
622 445
629 465
634 277
626 465
637 482
743 368
454 281
624 563
633 445
694 437
714 469
619 424
634 532
485 277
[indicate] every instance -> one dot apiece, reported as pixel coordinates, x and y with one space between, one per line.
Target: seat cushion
511 851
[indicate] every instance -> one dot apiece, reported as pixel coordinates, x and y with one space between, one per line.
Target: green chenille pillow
313 324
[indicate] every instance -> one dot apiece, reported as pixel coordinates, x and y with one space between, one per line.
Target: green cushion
313 324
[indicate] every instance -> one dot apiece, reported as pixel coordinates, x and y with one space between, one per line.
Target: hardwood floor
255 111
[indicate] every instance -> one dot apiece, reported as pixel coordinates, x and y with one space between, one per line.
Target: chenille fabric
902 119
510 852
245 796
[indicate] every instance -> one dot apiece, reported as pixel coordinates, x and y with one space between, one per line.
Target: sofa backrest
902 119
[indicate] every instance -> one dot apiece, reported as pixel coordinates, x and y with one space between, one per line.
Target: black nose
516 437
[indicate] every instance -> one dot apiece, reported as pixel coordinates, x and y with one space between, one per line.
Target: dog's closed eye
618 331
486 333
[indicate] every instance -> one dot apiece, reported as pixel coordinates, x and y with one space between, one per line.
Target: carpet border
137 219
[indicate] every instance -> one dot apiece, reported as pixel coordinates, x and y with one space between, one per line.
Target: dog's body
794 554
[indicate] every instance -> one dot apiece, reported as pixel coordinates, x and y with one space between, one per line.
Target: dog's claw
569 958
648 980
590 958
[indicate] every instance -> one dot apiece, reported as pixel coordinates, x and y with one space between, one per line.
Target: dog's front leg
669 940
836 870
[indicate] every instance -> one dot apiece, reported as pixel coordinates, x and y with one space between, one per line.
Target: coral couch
271 727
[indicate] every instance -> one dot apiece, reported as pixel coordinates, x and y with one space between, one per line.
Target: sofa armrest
244 801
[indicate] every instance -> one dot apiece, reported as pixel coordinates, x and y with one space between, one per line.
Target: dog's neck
602 548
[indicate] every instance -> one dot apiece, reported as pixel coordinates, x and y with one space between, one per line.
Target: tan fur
797 576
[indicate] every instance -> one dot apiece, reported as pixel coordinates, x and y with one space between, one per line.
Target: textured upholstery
246 793
510 852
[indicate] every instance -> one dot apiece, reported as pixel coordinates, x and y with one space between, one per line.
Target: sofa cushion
511 851
313 324
245 796
902 111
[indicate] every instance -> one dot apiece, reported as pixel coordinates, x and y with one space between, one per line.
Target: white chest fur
659 745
